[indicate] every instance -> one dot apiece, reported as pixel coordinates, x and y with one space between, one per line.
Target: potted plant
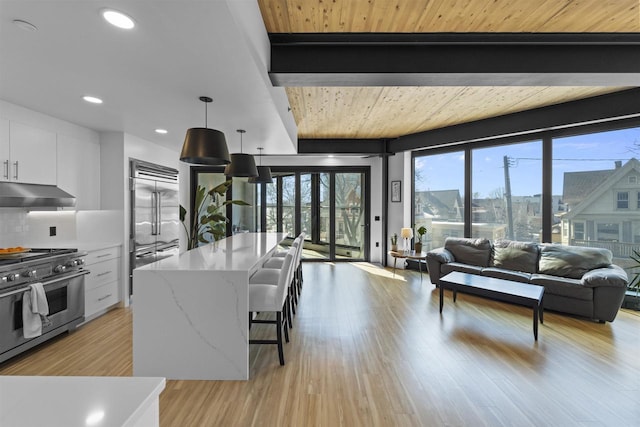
394 242
208 221
420 232
632 297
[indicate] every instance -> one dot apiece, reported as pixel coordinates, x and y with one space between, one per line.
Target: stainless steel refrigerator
155 214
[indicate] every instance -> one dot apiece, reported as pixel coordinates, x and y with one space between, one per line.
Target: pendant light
242 165
205 146
264 173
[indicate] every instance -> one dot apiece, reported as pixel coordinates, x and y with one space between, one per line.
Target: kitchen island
79 401
191 311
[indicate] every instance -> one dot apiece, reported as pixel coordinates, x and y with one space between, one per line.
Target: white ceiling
149 77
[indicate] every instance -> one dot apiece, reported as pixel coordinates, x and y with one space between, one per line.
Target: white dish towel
35 309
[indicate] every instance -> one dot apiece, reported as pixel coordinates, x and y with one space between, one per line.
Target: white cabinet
79 170
4 149
29 154
102 285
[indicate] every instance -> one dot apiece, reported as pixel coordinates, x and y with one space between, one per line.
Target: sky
596 151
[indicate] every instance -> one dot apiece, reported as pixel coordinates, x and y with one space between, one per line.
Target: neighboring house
446 205
603 208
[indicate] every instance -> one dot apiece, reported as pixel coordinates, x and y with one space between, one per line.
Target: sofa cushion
499 273
469 251
517 256
572 261
562 286
612 276
458 266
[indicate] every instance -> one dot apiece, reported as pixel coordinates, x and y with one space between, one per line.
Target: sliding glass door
349 215
329 206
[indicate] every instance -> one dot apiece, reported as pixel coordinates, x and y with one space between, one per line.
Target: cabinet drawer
101 273
102 255
100 298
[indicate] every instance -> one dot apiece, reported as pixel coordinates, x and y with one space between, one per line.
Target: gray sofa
577 280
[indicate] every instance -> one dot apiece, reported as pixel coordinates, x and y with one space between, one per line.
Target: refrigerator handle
159 212
154 213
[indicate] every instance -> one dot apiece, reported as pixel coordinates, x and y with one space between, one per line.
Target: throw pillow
572 261
469 251
516 256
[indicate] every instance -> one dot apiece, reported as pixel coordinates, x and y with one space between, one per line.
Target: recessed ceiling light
330 156
92 99
118 19
24 25
161 131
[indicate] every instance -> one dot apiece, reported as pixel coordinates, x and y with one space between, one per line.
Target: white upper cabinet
32 155
4 149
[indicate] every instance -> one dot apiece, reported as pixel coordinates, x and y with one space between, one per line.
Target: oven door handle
48 282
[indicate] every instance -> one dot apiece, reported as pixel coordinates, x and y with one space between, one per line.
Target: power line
570 160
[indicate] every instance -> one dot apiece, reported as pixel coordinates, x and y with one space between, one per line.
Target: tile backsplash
20 227
13 227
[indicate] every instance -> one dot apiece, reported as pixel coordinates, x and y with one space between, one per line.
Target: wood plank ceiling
388 112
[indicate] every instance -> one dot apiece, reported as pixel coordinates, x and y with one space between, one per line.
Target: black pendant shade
242 165
205 146
264 173
264 176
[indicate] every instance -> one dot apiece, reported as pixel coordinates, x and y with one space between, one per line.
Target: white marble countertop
236 253
76 401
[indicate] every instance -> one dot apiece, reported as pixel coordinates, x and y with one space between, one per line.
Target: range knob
80 261
11 277
71 263
29 273
59 268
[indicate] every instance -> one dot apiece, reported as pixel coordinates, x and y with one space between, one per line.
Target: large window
439 196
507 191
597 174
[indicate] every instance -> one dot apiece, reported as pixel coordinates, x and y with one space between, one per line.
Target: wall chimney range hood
14 195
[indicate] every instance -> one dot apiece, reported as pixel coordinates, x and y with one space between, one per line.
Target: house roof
579 185
605 184
440 202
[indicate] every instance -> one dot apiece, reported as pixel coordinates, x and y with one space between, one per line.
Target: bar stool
265 297
276 263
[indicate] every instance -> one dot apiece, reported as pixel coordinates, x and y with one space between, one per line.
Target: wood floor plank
368 348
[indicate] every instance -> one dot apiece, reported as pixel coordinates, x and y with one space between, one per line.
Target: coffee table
497 289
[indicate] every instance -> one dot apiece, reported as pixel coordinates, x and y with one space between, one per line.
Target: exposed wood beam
455 59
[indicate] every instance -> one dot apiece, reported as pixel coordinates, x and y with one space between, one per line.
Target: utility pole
507 195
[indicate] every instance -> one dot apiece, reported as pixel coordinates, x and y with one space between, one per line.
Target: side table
421 256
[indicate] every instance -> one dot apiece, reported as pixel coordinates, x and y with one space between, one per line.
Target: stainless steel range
61 271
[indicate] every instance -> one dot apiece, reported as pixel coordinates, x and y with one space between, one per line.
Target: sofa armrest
612 276
435 259
440 255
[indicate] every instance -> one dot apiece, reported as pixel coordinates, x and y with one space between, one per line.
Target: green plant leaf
221 189
235 202
183 213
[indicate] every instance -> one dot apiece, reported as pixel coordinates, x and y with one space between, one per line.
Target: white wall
399 214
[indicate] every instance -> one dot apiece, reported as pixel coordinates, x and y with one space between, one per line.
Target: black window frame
547 137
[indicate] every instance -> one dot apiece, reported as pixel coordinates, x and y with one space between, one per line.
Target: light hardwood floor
370 349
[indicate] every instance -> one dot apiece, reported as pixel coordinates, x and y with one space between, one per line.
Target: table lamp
406 234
